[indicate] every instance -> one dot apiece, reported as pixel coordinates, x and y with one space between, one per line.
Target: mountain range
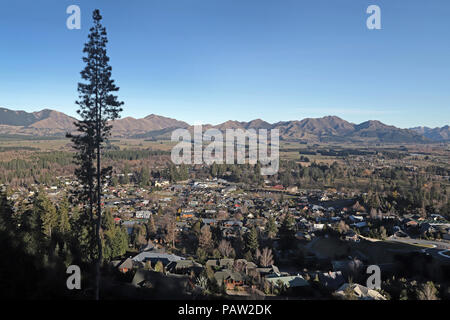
327 129
435 134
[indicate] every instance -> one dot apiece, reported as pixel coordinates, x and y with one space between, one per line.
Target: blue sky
208 61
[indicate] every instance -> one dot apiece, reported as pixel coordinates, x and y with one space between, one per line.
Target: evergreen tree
287 232
63 217
151 228
97 106
196 228
83 237
108 221
272 228
45 214
252 242
144 177
6 214
139 236
115 243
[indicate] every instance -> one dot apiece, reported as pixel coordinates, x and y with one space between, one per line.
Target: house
226 263
184 267
170 286
229 189
354 218
317 208
351 236
162 183
426 228
361 292
360 225
340 265
126 266
220 263
264 271
410 223
302 236
318 226
287 281
228 233
232 223
210 222
332 280
148 246
229 278
446 236
154 257
186 215
212 263
144 214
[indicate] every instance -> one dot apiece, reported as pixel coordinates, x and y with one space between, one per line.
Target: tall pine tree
97 106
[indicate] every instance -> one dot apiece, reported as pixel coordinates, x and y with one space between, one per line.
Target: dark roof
332 280
183 264
227 274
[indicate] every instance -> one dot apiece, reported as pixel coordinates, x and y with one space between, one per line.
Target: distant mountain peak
435 134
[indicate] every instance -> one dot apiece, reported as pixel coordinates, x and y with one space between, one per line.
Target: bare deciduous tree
225 248
342 227
205 239
265 257
427 291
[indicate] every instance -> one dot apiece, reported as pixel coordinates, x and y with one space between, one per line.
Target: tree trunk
99 217
99 199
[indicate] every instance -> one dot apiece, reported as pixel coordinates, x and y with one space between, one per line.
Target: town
204 231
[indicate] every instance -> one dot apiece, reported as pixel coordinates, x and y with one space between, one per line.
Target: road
437 248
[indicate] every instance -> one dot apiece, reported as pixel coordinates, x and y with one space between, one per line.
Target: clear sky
208 61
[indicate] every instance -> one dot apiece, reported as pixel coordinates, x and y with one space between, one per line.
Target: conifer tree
287 232
6 214
45 213
252 240
272 228
151 227
108 221
63 217
98 105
